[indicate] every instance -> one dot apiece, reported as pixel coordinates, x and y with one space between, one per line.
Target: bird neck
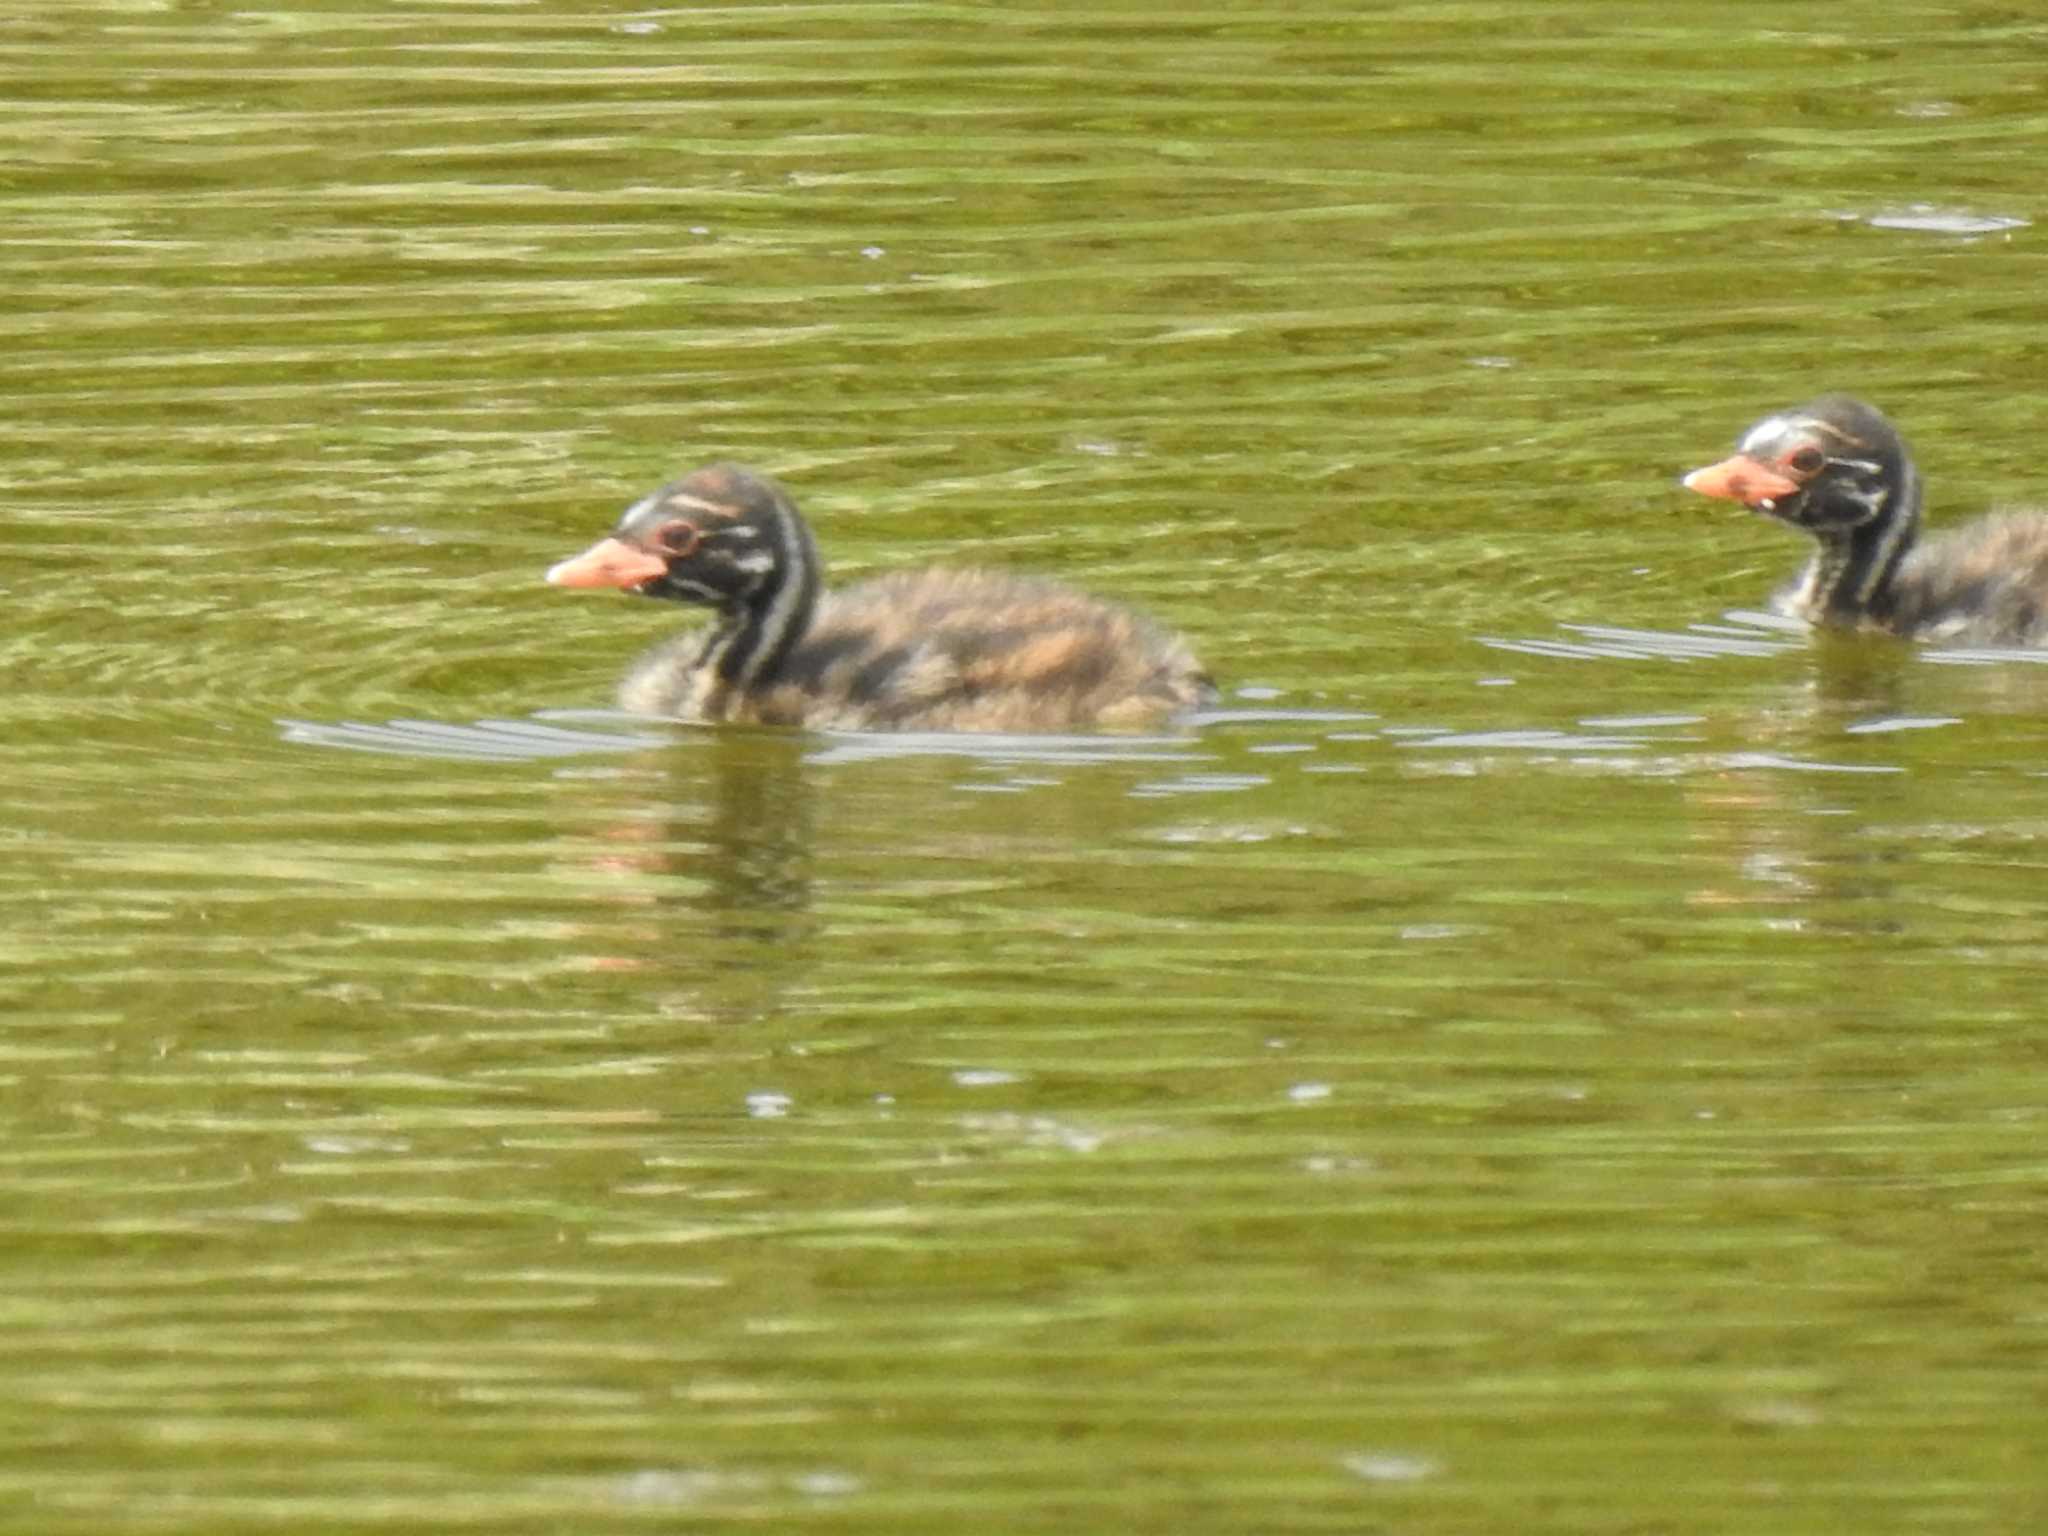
1851 575
757 630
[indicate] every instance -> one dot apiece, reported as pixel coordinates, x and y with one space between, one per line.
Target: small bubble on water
984 1077
1390 1466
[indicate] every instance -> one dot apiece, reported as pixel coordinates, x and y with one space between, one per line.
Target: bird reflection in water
716 859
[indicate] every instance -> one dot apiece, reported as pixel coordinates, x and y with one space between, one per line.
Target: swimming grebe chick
1838 471
932 650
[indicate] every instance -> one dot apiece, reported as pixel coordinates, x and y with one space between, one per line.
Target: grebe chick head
722 537
1826 467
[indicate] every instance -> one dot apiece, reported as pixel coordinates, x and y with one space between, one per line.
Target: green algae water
1543 1056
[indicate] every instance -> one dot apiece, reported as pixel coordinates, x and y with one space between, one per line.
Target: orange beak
1740 479
608 563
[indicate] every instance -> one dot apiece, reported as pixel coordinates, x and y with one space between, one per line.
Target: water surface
1550 1053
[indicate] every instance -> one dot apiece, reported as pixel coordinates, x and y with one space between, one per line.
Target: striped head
723 537
1827 467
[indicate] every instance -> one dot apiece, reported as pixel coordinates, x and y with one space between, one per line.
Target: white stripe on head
1766 431
682 500
646 503
672 501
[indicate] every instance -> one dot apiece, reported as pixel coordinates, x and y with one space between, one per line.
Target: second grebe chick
1839 472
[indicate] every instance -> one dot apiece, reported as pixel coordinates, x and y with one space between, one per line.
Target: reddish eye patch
679 538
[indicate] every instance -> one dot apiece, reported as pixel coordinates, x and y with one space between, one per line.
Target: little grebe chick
1838 471
932 650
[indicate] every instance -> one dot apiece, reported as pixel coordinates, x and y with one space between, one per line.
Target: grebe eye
1807 461
678 538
